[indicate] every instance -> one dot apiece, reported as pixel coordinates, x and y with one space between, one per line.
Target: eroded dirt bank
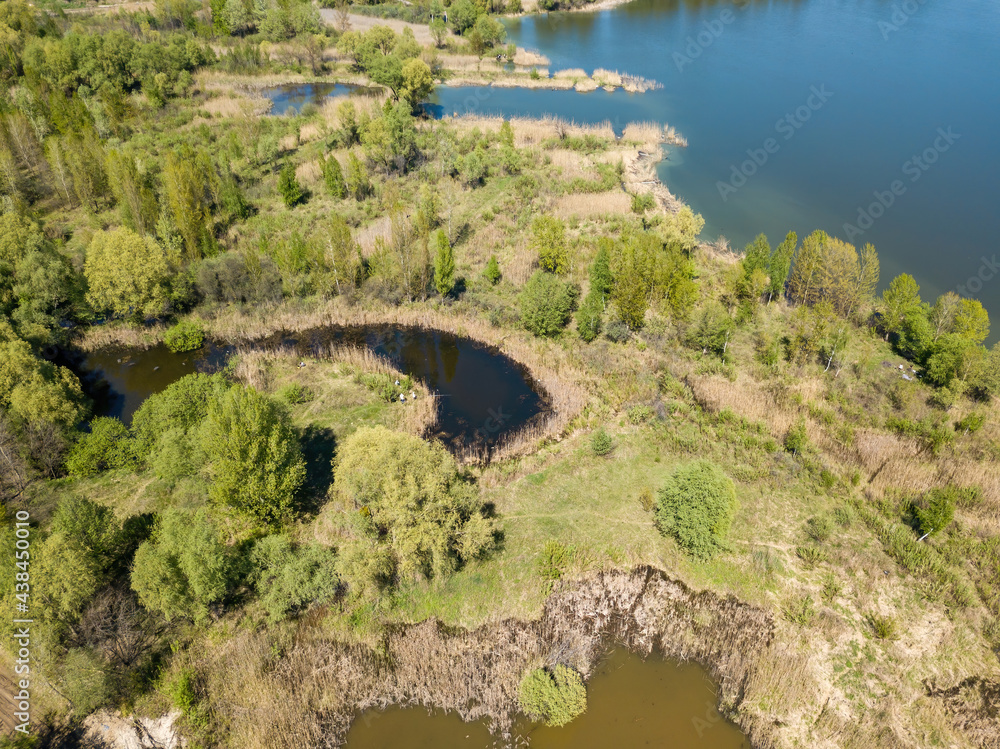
308 694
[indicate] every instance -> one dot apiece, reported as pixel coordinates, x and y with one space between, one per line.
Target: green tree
548 241
439 31
554 696
779 264
391 140
417 82
68 576
462 15
547 303
492 272
900 302
189 182
357 178
183 568
444 265
406 497
126 274
713 329
971 321
34 390
289 187
696 506
333 177
590 316
288 578
108 446
254 456
601 280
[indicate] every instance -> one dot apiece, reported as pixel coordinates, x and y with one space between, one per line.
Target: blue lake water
801 115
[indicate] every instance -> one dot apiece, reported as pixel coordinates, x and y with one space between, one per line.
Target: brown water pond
632 702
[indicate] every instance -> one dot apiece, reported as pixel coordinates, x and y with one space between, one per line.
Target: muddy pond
632 703
483 395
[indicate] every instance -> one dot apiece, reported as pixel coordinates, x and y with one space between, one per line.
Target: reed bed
571 73
611 203
653 133
120 334
530 58
309 172
254 368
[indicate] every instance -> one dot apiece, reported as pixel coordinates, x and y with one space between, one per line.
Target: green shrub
293 393
601 443
640 414
800 610
547 303
109 446
831 588
555 560
555 697
288 578
696 507
85 680
642 203
289 187
811 555
184 336
936 510
795 439
883 627
181 691
971 423
819 528
492 272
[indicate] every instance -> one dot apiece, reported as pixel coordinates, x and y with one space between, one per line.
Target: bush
617 331
294 393
971 423
795 439
819 528
492 272
184 336
646 500
601 443
642 203
800 610
183 569
640 414
936 510
883 627
85 680
555 560
555 697
108 446
289 187
696 507
547 303
287 578
181 691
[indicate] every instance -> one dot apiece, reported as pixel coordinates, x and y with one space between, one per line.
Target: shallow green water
631 703
892 73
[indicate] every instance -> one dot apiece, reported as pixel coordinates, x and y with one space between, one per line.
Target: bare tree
15 473
120 628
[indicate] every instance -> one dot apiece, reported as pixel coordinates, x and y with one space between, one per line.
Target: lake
804 114
631 703
483 395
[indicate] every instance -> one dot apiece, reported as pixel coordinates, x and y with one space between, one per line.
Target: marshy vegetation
279 543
